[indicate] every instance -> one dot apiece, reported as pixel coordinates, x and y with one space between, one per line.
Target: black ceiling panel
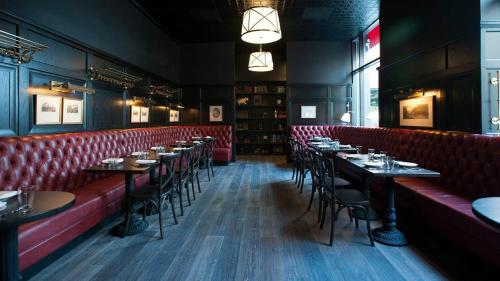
220 20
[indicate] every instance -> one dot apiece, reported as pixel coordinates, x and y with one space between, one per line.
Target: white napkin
165 153
145 161
135 153
374 163
179 148
7 194
154 148
117 160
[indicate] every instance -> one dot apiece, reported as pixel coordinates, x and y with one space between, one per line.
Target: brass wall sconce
68 88
495 120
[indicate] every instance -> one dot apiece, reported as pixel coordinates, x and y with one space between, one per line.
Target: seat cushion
452 213
93 202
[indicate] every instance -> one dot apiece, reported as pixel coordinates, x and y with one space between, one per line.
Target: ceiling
190 21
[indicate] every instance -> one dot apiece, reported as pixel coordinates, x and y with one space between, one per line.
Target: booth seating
470 168
56 162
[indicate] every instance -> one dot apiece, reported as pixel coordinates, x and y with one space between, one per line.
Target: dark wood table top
45 204
488 210
396 171
129 164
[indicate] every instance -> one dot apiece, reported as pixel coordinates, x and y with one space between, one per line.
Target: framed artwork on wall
417 112
144 114
135 114
174 116
216 113
72 111
48 110
308 112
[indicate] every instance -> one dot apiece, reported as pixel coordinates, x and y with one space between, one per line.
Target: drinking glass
359 148
389 162
382 155
371 153
25 196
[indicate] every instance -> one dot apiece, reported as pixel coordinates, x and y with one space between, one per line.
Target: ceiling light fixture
260 61
261 25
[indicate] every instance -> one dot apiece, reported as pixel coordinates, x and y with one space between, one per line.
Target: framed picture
417 112
135 114
48 110
174 116
215 113
308 112
72 111
144 114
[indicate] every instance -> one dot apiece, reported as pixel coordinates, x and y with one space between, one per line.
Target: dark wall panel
107 106
8 99
208 63
116 27
318 63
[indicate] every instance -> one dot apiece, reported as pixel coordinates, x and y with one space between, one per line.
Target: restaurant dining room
249 140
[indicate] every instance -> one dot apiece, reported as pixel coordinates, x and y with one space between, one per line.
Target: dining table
388 233
45 204
131 225
488 210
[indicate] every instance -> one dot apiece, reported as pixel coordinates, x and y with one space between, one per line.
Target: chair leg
323 215
298 174
312 196
144 210
208 170
171 199
293 171
302 183
212 168
320 203
160 211
127 221
332 222
192 188
186 187
368 226
198 181
180 199
356 222
350 214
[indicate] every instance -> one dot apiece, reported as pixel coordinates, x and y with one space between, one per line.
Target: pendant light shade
260 62
261 25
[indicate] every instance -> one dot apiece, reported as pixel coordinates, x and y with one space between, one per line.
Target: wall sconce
68 88
495 120
346 117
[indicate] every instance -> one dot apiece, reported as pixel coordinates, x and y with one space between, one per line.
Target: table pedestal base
135 226
389 237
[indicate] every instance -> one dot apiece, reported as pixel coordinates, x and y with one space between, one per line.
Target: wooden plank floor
249 223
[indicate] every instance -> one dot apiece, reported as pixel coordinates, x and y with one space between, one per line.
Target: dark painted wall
68 60
114 27
318 74
432 44
208 63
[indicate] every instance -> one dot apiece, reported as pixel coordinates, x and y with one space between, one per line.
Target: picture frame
417 112
48 110
308 112
144 114
174 115
216 113
72 111
135 114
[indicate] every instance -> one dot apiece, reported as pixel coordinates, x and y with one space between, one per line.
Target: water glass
359 148
389 162
371 153
25 196
336 144
382 155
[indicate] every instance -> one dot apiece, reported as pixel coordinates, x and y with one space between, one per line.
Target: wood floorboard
249 223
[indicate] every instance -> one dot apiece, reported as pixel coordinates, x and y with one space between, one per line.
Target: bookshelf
261 118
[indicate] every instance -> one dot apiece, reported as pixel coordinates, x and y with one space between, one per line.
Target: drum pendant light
261 25
260 61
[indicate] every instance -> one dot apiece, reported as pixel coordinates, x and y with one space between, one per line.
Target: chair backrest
165 174
185 162
326 171
199 149
210 149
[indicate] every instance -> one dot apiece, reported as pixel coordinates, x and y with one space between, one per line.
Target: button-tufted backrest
56 162
469 164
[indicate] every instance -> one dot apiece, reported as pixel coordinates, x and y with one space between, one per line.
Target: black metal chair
293 150
208 157
345 197
199 149
157 192
182 171
304 164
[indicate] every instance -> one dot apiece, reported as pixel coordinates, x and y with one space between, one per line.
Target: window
366 60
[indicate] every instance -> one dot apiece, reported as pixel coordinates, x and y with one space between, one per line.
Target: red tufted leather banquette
469 165
56 162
